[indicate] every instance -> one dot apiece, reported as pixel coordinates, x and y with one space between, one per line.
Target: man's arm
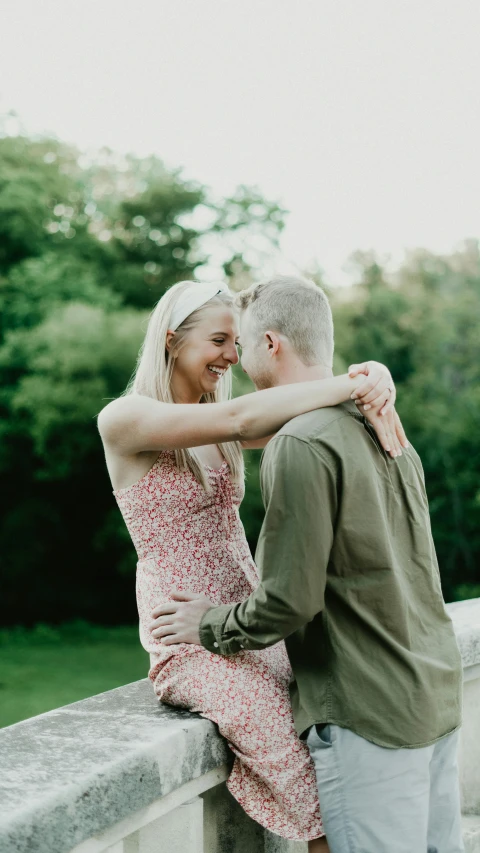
299 486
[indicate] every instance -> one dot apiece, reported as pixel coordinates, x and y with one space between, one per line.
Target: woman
177 473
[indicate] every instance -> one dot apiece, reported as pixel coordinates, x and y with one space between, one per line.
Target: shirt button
215 645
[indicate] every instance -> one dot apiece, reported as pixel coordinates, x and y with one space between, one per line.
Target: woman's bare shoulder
110 415
121 413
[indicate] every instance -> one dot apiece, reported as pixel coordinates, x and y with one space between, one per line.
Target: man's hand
179 620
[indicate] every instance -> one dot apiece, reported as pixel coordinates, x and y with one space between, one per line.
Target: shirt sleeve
299 487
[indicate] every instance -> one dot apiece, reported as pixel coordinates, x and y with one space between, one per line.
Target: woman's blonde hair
153 373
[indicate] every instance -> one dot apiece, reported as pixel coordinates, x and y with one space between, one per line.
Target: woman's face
210 350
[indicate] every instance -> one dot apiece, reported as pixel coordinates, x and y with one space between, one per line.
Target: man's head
285 322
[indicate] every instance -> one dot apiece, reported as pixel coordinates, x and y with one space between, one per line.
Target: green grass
45 668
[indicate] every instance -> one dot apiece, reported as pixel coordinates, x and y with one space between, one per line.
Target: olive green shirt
349 578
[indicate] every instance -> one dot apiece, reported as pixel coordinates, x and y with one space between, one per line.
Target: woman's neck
182 392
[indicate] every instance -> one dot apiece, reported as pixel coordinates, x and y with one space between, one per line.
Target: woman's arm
256 443
134 423
370 398
389 429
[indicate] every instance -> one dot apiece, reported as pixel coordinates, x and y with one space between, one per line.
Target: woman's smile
216 371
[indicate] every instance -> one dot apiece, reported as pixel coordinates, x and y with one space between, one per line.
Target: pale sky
361 116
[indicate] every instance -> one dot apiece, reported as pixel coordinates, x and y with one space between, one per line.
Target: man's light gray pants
377 800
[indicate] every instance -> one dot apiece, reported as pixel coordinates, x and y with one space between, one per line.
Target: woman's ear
168 342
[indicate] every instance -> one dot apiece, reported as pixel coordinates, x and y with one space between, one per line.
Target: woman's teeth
218 371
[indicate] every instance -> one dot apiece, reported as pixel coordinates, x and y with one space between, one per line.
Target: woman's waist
224 580
231 550
162 530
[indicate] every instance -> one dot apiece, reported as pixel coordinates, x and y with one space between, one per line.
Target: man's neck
295 371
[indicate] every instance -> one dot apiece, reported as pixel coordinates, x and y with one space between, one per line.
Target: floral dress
191 539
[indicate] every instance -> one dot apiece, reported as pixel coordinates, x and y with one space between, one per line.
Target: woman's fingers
398 436
392 440
388 426
393 437
386 429
384 385
400 432
385 401
390 403
382 433
394 446
379 380
368 390
377 402
355 369
399 439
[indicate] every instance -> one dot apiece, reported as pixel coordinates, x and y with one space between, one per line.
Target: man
349 579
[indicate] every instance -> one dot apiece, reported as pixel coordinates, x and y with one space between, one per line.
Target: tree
423 323
87 245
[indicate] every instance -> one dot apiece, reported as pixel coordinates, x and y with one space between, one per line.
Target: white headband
194 297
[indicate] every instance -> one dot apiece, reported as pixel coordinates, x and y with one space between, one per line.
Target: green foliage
87 245
29 187
65 369
36 286
467 590
424 324
251 510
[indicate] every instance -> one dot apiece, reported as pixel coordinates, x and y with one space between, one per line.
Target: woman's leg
273 777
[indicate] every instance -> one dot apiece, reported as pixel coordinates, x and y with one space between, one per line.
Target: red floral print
193 540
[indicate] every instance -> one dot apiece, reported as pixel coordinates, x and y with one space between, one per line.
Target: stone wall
120 773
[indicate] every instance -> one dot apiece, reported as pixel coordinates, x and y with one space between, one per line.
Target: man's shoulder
318 424
326 435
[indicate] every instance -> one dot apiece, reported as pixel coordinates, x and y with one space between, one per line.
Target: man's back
378 655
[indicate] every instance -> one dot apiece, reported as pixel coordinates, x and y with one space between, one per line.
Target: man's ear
273 343
168 342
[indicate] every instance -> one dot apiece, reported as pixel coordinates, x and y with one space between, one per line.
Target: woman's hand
377 391
389 429
376 399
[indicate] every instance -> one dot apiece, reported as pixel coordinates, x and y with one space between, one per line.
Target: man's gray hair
294 307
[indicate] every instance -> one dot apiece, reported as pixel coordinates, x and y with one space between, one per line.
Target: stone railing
466 619
119 773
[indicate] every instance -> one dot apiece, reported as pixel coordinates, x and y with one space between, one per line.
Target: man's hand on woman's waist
178 621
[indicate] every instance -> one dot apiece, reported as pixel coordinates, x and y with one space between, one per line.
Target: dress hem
304 837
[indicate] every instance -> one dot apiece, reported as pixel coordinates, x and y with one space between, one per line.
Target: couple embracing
330 665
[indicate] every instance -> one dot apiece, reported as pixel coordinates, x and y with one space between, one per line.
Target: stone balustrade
119 773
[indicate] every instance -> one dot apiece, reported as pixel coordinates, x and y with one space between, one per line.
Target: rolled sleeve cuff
212 630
